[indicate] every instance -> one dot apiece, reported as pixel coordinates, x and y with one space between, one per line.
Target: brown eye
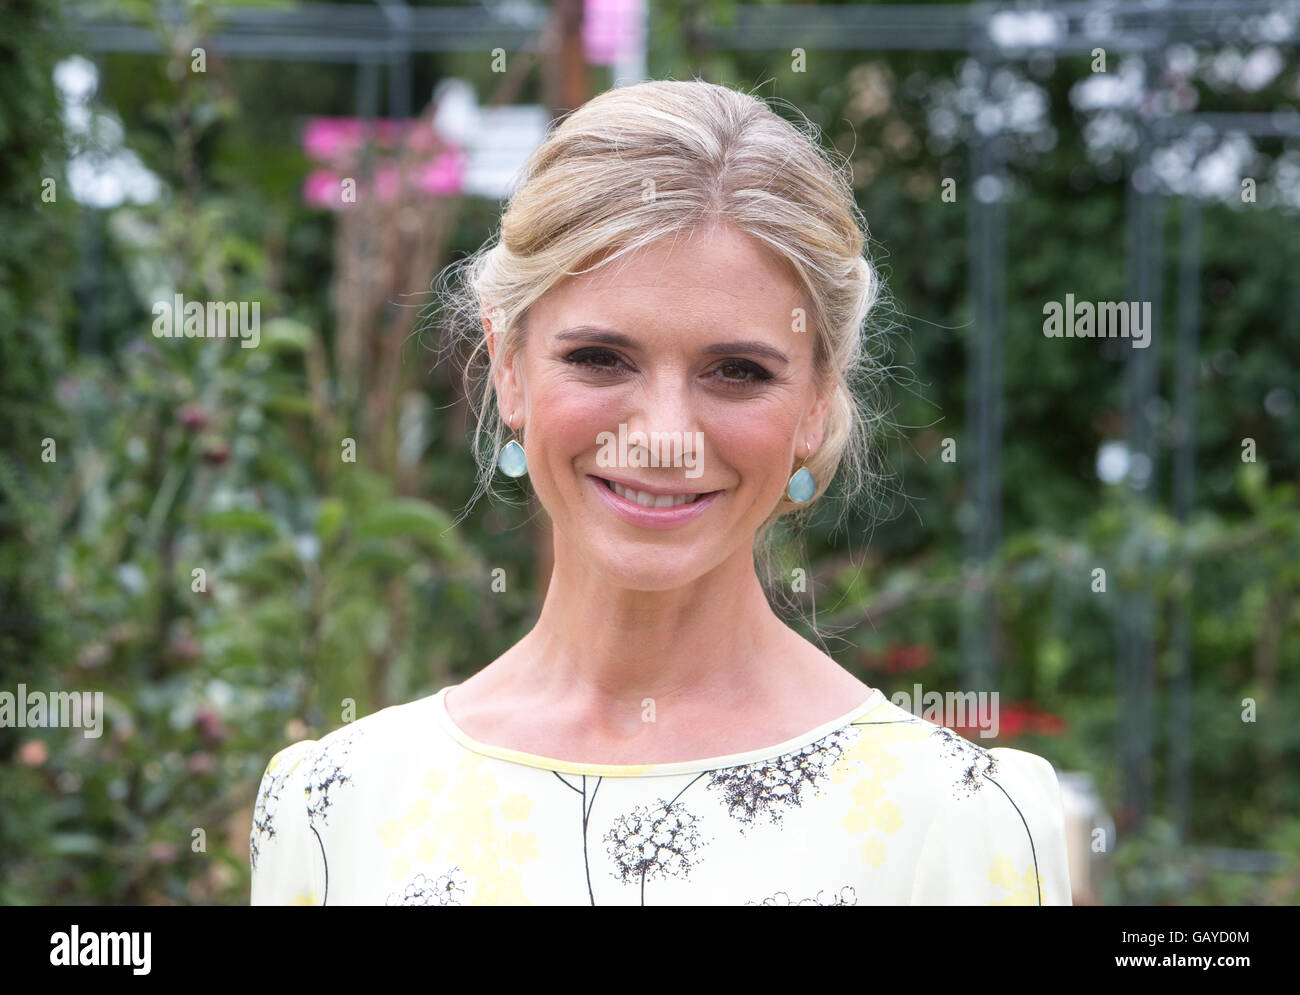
596 359
749 373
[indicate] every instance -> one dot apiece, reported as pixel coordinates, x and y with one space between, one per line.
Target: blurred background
234 542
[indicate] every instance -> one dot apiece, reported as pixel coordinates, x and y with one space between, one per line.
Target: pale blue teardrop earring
512 460
802 485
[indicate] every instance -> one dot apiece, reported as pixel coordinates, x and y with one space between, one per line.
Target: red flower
1024 716
210 726
193 417
900 659
216 453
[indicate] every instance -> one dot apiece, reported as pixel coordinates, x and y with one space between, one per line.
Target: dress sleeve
999 840
284 852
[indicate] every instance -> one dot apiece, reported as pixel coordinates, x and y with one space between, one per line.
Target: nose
664 413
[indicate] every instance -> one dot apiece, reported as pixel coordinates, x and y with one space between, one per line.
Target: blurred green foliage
324 582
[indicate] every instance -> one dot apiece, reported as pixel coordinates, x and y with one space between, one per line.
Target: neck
602 650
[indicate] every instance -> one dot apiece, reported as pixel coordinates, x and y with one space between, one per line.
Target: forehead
714 273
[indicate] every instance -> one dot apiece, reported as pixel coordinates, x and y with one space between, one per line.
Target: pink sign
610 28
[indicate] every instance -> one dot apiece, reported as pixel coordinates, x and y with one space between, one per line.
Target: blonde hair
706 154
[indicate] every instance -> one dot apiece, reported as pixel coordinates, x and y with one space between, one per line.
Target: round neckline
645 770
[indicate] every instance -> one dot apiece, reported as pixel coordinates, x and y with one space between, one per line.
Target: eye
735 374
589 356
749 373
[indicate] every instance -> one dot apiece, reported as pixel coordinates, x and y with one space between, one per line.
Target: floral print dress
876 807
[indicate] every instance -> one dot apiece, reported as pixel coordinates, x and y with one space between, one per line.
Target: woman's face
703 342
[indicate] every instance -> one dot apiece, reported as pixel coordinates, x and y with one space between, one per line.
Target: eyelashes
754 374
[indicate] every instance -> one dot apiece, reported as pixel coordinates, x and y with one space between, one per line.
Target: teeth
651 500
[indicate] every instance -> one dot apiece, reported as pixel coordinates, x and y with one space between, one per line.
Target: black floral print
973 762
498 819
845 896
327 773
767 785
661 841
268 802
450 889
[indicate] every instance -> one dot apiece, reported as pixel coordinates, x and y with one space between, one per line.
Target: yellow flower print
867 749
427 850
517 807
867 761
468 823
401 868
1023 888
394 831
871 813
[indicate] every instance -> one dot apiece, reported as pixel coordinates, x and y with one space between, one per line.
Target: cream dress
876 807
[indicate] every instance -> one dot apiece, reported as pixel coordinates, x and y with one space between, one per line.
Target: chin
647 565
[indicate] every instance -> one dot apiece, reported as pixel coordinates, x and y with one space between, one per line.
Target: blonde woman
669 336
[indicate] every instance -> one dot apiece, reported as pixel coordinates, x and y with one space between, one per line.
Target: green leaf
329 516
286 335
247 521
413 519
75 844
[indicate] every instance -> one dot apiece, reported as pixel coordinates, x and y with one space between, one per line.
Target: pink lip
653 518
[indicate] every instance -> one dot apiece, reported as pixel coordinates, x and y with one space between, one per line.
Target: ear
813 426
509 398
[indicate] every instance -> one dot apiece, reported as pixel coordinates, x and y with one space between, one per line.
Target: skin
679 615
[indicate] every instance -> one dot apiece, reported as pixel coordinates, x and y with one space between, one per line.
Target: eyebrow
593 333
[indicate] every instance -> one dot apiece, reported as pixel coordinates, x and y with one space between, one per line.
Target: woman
673 325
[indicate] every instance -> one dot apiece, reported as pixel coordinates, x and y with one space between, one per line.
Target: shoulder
942 765
309 783
991 819
374 741
360 756
376 736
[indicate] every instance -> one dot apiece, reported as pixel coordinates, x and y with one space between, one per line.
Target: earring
802 485
511 460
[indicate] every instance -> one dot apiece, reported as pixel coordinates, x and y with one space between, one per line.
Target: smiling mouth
646 500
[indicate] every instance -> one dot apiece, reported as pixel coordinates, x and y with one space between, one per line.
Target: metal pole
1184 497
987 280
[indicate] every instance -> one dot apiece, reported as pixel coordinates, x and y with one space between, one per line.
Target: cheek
748 440
570 414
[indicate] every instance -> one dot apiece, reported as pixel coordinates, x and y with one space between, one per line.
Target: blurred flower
900 659
162 852
1019 718
209 724
444 175
323 188
33 753
330 138
434 165
216 453
93 655
184 648
201 763
897 658
193 417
